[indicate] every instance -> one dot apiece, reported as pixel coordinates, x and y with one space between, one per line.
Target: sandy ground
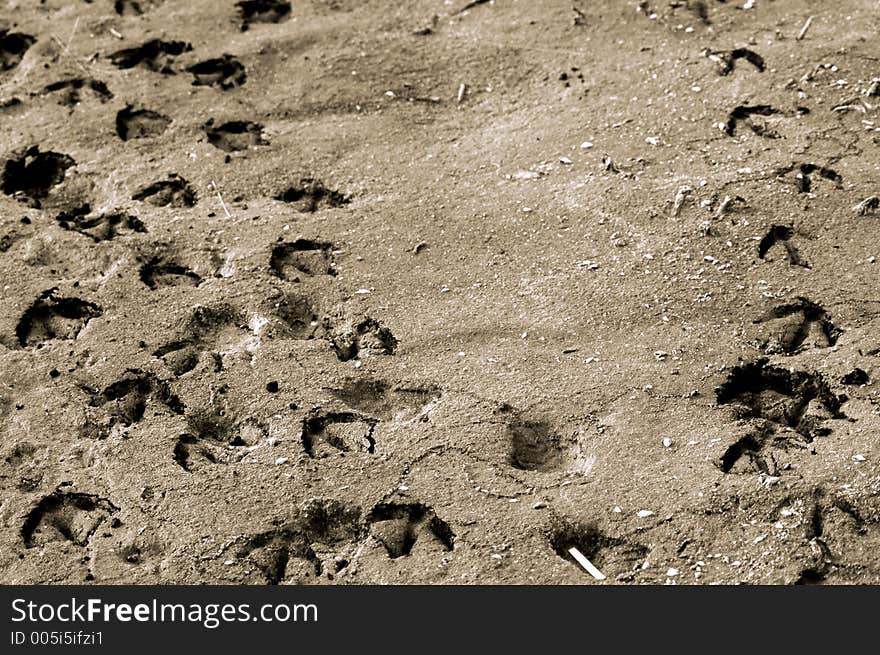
403 292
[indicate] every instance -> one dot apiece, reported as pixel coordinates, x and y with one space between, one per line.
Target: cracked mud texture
282 302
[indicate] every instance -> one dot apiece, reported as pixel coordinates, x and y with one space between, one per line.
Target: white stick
225 208
461 91
589 567
804 29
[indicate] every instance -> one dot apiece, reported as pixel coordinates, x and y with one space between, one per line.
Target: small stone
671 572
281 460
526 175
667 442
644 513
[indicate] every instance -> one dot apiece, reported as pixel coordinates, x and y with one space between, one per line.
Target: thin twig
66 48
220 198
804 29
